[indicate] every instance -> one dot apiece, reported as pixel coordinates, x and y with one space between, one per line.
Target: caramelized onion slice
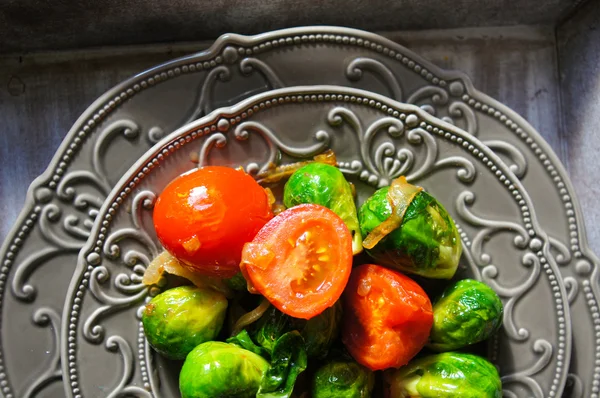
277 173
270 197
400 195
165 262
250 317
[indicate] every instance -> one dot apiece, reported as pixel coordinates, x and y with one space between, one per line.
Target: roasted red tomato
205 217
301 260
387 317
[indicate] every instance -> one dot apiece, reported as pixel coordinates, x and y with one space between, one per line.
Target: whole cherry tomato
387 317
300 260
204 218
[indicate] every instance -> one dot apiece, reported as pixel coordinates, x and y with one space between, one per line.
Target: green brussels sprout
288 360
320 332
179 319
324 185
426 243
467 312
445 375
342 379
215 369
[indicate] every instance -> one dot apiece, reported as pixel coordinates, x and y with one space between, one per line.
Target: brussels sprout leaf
236 282
320 332
244 340
288 360
271 326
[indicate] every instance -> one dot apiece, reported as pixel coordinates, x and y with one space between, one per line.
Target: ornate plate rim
87 257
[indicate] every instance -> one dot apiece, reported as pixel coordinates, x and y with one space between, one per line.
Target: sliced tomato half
300 260
387 317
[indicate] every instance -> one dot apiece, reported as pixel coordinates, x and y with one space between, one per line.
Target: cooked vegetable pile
274 299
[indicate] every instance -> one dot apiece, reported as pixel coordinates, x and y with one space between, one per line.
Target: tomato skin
387 317
300 260
204 218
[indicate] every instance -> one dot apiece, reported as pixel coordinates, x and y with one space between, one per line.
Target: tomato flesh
387 317
204 218
301 260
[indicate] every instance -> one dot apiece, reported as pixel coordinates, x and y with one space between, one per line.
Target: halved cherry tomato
387 317
301 260
204 217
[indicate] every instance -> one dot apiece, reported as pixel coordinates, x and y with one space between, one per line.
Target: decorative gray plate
38 256
376 139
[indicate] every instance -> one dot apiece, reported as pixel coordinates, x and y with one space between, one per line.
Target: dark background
28 25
